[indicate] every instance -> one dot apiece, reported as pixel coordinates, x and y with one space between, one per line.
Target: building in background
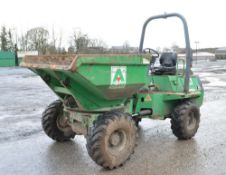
123 49
220 53
22 54
200 56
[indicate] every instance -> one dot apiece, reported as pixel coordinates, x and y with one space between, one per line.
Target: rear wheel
112 139
185 120
53 123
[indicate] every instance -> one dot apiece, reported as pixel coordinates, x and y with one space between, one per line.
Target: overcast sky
116 21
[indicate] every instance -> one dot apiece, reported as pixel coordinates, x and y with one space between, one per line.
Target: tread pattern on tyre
49 123
177 120
97 133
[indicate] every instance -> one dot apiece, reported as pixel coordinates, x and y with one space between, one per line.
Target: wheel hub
115 139
62 122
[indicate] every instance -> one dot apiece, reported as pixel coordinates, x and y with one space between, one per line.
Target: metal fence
7 59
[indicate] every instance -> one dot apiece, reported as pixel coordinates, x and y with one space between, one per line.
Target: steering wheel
153 52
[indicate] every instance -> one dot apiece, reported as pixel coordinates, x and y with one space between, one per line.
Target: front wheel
112 139
185 120
53 125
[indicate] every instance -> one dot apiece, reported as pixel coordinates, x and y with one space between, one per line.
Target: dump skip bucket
54 62
95 81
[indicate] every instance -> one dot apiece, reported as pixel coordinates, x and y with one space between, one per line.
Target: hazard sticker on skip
118 76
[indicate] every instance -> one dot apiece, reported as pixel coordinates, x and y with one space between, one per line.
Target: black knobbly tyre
137 122
185 120
112 139
50 124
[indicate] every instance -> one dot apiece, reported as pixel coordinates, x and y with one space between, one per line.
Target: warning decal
118 75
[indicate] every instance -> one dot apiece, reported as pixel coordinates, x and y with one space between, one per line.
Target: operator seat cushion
168 62
168 59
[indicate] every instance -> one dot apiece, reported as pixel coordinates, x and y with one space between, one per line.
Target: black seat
168 62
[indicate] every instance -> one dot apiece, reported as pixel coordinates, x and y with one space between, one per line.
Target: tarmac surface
25 149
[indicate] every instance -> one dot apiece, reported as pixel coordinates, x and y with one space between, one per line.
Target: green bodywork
167 93
101 83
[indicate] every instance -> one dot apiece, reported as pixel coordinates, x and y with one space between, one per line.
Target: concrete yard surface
25 149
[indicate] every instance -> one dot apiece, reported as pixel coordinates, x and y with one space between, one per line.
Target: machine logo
118 75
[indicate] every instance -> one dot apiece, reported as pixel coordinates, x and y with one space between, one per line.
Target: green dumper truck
105 96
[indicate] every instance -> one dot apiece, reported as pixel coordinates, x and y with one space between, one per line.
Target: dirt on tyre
112 139
50 123
185 120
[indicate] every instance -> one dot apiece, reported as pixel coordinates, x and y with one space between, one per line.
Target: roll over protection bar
187 43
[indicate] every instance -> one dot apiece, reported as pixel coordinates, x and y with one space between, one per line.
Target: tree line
45 42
